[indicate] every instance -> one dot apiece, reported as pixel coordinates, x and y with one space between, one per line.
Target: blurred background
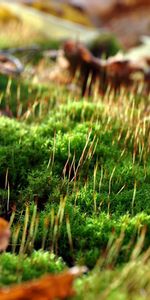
106 27
127 20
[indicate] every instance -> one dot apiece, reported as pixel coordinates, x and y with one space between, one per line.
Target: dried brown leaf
4 234
48 287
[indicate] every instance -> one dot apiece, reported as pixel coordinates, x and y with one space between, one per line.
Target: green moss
19 94
106 45
15 269
74 180
76 152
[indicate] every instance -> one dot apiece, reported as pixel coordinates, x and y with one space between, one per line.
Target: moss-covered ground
75 180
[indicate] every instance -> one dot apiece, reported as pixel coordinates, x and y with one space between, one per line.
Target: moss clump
106 45
15 269
122 283
83 168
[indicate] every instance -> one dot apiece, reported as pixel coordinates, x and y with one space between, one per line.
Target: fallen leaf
4 234
48 287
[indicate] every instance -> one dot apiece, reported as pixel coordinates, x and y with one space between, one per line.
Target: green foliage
129 281
20 152
90 234
15 269
74 179
106 45
19 94
76 162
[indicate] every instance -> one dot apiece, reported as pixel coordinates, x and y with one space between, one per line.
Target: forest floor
74 182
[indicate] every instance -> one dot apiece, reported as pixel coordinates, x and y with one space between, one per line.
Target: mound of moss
15 269
130 281
78 168
35 156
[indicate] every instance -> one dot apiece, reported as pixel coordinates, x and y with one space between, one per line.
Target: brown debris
4 234
120 72
82 60
114 72
48 287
